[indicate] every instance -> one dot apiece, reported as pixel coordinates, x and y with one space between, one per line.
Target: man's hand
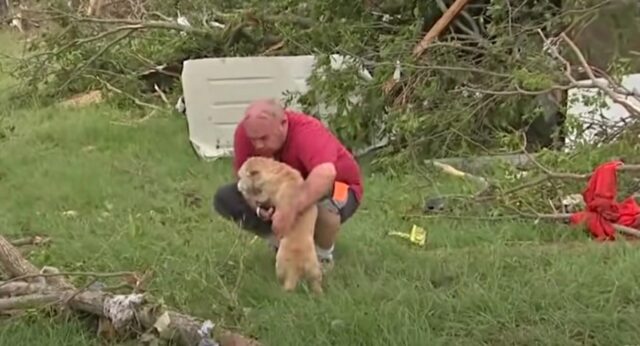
281 221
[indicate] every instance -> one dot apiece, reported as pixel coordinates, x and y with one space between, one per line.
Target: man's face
267 134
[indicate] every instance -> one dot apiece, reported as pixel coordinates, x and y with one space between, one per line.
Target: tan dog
264 181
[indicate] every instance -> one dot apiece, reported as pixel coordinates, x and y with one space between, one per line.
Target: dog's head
253 178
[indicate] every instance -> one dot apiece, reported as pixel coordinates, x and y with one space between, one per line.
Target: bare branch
135 99
565 217
593 81
34 240
20 288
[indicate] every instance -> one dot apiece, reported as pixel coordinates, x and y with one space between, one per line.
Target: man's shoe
326 265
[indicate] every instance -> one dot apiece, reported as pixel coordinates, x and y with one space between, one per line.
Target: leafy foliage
463 96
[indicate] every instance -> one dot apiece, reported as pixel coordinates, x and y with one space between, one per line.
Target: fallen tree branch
131 97
21 288
485 185
447 17
439 26
126 313
458 173
549 175
565 217
102 50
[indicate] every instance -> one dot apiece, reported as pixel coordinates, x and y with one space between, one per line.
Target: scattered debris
84 99
417 235
70 213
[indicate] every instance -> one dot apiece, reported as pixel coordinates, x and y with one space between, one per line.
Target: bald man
332 176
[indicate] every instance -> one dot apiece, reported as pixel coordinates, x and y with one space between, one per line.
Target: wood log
125 312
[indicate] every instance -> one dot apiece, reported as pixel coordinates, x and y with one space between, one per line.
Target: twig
80 290
549 175
88 62
594 82
135 121
136 100
633 110
162 95
274 48
150 24
35 240
518 90
620 228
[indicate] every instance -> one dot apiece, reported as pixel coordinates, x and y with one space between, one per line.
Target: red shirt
308 144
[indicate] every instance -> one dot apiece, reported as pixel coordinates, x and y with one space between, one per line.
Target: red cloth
602 210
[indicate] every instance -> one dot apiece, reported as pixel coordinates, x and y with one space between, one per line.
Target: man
332 176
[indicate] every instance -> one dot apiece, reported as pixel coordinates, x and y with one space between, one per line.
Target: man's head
266 126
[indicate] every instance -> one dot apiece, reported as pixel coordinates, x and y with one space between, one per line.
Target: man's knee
230 204
343 210
226 201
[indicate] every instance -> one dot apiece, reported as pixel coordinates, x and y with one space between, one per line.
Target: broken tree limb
458 173
439 26
12 261
21 288
125 312
29 301
34 240
565 217
429 37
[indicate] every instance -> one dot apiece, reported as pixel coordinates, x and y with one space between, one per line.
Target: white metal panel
609 116
217 91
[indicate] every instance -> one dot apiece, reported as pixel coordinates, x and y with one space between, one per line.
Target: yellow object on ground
417 235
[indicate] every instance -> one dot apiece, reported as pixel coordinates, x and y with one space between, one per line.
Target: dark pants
230 204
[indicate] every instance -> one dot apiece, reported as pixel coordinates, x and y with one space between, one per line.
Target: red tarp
602 210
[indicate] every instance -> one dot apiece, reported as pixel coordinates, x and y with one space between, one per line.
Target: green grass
143 201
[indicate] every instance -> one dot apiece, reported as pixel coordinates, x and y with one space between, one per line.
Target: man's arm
317 185
319 156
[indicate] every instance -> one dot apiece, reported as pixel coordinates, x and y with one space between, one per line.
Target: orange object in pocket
340 192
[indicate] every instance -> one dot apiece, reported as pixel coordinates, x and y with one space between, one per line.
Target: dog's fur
264 181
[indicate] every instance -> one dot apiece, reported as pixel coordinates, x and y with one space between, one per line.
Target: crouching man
332 176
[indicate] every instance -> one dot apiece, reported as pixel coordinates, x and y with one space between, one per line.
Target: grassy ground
143 201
